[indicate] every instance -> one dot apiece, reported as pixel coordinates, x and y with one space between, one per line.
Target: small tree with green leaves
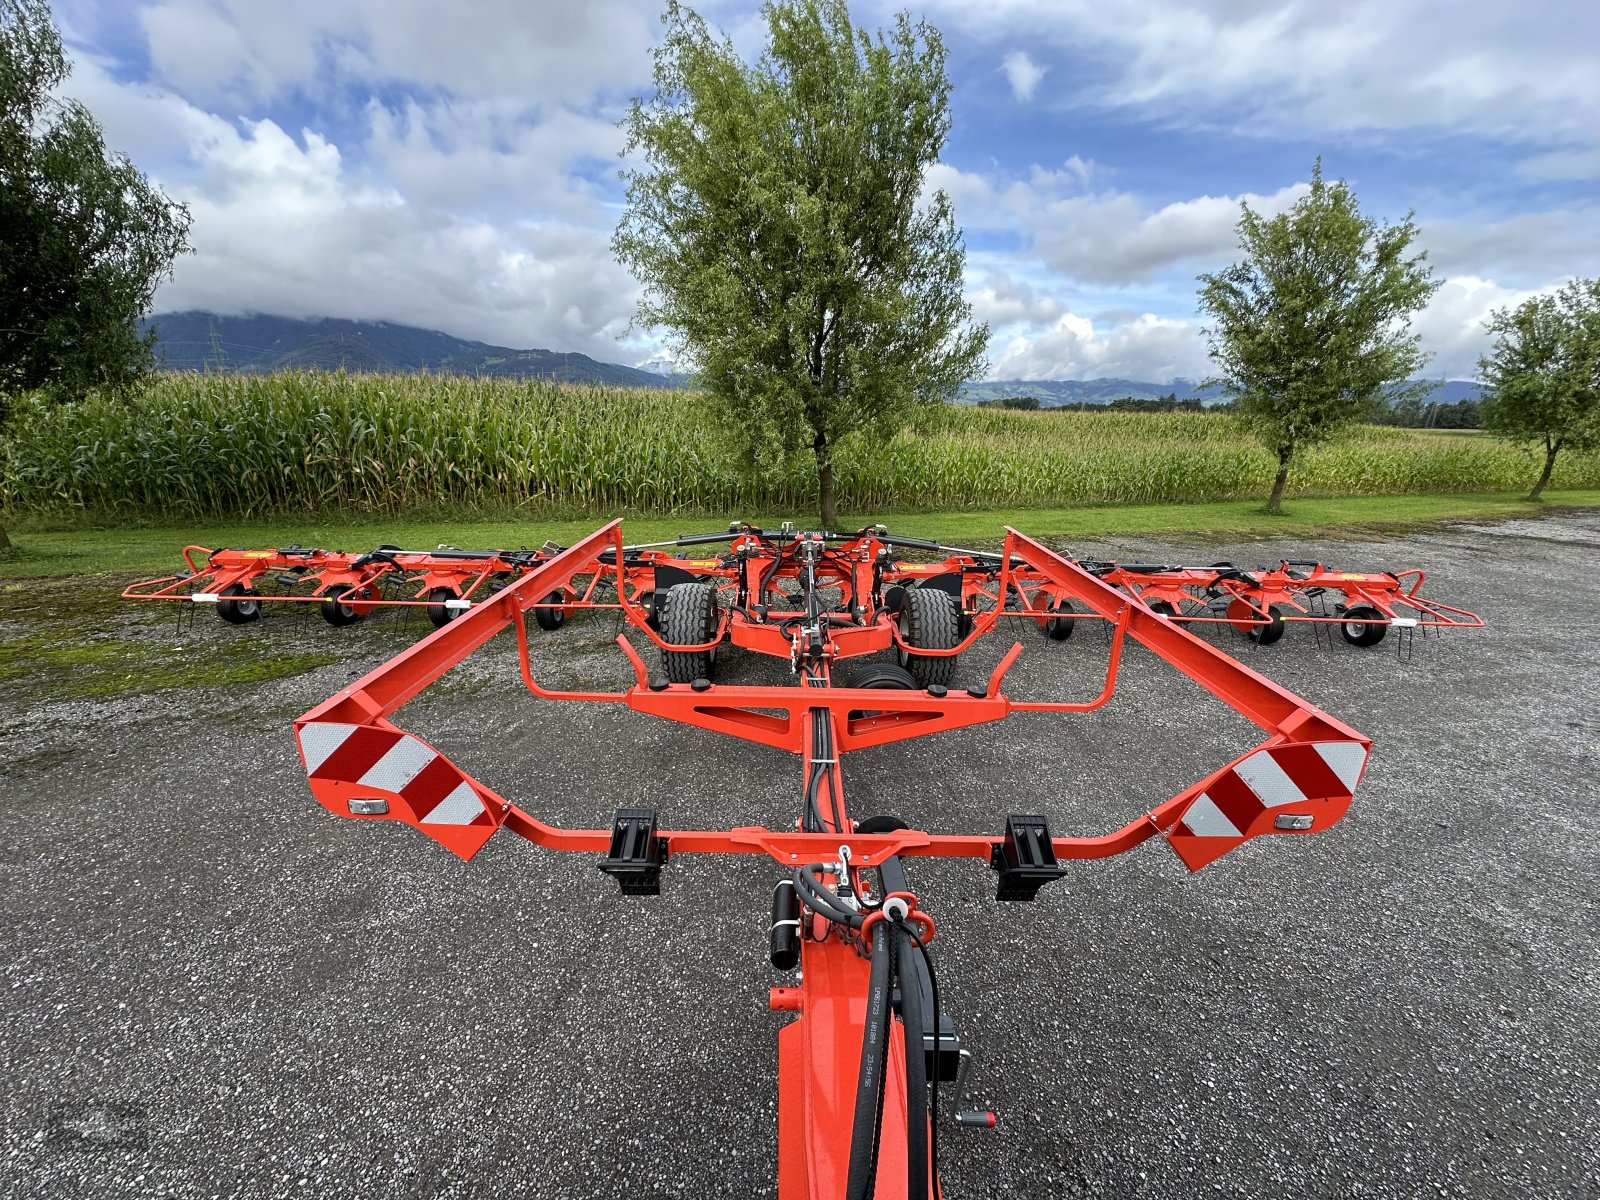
779 227
1310 333
1543 373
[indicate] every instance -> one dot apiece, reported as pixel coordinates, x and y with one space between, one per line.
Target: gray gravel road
211 987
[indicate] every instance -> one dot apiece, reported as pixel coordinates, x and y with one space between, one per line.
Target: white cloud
1523 72
1579 164
1147 347
1004 301
1525 250
246 53
1451 327
466 157
1106 237
281 226
1023 73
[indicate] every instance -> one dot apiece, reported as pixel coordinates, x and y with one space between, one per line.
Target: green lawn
40 551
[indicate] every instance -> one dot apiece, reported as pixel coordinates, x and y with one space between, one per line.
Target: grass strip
40 551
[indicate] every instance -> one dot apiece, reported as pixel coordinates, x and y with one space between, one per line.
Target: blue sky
454 165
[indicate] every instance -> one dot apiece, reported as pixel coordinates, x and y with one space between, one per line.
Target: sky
455 165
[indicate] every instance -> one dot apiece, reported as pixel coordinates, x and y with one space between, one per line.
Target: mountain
1052 393
200 341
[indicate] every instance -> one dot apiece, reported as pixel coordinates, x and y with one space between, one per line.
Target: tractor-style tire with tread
930 621
688 618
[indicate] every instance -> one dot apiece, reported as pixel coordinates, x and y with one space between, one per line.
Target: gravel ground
213 988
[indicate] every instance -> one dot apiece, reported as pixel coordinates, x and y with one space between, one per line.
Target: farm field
239 447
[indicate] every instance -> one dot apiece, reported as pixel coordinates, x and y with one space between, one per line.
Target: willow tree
1310 332
779 224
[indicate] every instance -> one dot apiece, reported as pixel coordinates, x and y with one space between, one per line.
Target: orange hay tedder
861 1065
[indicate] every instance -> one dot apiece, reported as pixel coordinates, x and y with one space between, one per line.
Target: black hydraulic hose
818 897
867 1126
766 575
813 815
938 1049
823 721
916 1068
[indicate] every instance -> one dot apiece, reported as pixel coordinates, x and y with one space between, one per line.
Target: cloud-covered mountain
199 341
1052 393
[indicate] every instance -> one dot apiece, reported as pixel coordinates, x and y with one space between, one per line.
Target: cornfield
217 445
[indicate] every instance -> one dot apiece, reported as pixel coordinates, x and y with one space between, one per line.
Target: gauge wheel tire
1270 633
440 613
239 605
1363 626
1059 629
688 618
551 619
337 613
929 621
880 677
1164 608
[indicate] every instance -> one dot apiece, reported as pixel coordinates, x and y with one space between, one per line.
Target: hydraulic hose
867 1126
818 897
916 1068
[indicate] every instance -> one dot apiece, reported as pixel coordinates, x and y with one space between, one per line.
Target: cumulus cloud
1023 73
1148 347
281 226
1004 301
1451 327
1104 237
471 214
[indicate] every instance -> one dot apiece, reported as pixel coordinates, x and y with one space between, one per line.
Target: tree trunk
1549 465
1275 501
827 508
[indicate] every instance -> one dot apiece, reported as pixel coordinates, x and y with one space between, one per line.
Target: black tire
1267 635
1363 625
337 613
243 608
881 824
551 618
1058 629
439 613
688 618
929 621
1162 608
880 677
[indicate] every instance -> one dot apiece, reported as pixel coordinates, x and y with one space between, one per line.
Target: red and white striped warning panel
1297 788
366 770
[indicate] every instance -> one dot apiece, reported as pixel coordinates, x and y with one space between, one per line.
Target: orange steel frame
1251 598
820 1052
